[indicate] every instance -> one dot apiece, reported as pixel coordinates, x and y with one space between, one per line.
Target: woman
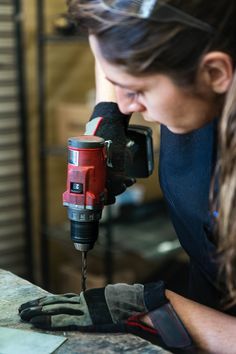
172 61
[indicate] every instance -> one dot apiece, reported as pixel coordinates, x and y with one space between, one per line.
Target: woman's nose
128 105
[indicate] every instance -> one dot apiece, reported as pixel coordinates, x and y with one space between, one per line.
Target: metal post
42 144
24 143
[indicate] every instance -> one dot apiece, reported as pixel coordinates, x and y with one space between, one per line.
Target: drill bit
84 271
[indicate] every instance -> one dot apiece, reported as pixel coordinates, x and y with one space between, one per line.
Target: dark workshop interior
46 95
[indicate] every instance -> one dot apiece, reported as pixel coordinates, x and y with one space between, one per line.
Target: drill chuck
84 234
84 227
85 194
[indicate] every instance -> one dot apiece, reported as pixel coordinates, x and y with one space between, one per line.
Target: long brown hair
227 194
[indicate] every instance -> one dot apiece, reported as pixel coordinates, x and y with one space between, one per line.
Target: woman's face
158 98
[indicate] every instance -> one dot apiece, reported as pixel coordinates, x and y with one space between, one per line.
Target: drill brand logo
76 187
73 157
87 217
82 217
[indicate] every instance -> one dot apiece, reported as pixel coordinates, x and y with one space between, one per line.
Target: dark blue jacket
187 163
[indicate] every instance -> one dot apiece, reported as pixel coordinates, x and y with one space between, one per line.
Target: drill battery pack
141 149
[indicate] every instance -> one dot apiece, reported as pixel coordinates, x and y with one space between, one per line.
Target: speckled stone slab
14 291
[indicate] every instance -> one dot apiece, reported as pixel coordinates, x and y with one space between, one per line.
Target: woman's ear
217 70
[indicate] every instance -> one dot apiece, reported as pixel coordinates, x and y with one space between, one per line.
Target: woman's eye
132 94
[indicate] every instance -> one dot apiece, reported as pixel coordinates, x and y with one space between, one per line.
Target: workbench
14 291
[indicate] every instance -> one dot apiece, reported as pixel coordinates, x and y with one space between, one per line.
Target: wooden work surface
14 291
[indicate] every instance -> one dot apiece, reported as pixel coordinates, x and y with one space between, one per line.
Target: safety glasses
155 10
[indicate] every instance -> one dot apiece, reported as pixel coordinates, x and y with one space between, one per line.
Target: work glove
115 308
110 124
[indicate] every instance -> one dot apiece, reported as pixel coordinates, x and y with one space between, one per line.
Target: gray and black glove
115 308
110 124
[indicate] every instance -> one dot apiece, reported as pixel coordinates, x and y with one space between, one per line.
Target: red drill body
86 190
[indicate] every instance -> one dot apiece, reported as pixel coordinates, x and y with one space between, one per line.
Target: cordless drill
88 158
85 193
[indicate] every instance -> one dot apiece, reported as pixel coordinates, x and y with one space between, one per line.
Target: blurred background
46 95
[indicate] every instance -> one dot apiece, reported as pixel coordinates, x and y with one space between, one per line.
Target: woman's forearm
212 331
104 89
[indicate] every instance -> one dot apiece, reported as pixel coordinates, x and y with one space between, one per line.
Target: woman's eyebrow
130 87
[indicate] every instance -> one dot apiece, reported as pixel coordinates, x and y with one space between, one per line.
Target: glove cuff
171 329
154 295
164 318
